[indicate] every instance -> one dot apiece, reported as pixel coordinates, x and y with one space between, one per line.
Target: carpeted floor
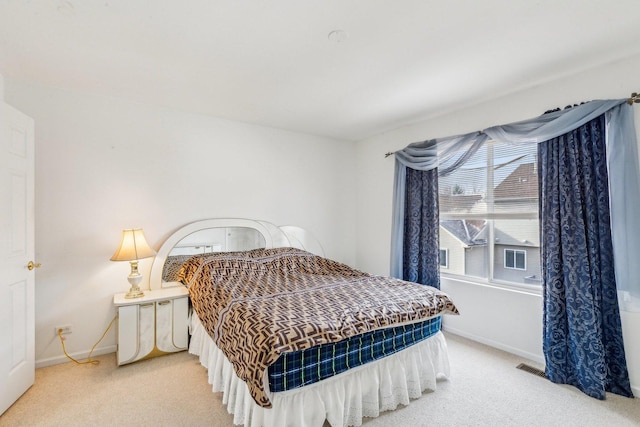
485 389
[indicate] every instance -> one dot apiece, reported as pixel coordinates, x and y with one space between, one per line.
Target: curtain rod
634 98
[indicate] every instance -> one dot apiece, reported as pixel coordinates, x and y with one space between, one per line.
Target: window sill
535 290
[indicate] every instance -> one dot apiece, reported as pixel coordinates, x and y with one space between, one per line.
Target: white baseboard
495 344
80 356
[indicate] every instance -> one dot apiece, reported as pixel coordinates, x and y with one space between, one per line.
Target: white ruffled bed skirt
342 400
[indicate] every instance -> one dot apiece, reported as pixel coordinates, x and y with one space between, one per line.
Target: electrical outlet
65 330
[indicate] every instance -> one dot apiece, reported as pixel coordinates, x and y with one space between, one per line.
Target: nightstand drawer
171 324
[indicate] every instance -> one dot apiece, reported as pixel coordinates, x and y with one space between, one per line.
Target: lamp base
134 278
134 292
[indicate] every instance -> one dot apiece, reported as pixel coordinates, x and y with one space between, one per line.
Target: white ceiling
271 62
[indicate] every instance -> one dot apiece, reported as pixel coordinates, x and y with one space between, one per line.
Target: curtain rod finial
635 98
388 153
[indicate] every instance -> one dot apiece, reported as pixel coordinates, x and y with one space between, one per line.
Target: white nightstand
152 325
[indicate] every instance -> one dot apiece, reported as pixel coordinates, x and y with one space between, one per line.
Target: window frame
490 216
515 259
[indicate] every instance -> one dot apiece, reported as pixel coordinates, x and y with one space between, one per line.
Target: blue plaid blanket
300 368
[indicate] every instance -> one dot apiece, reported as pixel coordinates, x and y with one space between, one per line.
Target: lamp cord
89 359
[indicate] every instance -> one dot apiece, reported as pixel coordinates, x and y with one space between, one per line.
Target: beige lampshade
133 246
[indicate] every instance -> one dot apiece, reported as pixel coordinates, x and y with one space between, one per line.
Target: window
444 258
489 215
515 259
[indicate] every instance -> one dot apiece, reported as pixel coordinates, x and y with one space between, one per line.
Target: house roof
466 231
521 183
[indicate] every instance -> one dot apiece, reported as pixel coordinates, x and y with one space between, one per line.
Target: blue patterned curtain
421 257
582 335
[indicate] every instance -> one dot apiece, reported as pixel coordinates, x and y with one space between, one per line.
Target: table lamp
133 247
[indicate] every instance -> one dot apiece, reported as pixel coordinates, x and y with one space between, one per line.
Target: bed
292 338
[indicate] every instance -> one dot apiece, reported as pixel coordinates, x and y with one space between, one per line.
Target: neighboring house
461 250
516 251
518 190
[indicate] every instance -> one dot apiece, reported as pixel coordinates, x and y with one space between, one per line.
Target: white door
17 328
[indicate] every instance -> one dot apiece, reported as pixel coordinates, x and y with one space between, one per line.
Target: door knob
33 265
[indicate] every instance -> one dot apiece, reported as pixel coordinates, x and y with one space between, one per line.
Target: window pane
444 262
466 244
515 178
512 170
477 261
517 251
520 260
508 260
464 190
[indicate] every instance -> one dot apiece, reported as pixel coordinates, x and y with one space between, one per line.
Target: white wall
506 319
105 164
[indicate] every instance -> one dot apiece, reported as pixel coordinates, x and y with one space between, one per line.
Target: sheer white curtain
622 161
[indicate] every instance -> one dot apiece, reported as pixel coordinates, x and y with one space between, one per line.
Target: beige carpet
485 389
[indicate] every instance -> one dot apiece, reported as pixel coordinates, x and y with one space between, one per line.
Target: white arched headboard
271 236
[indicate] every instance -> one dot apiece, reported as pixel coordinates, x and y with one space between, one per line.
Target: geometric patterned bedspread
259 304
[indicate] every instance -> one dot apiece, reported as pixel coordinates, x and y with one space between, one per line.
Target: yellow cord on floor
89 359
